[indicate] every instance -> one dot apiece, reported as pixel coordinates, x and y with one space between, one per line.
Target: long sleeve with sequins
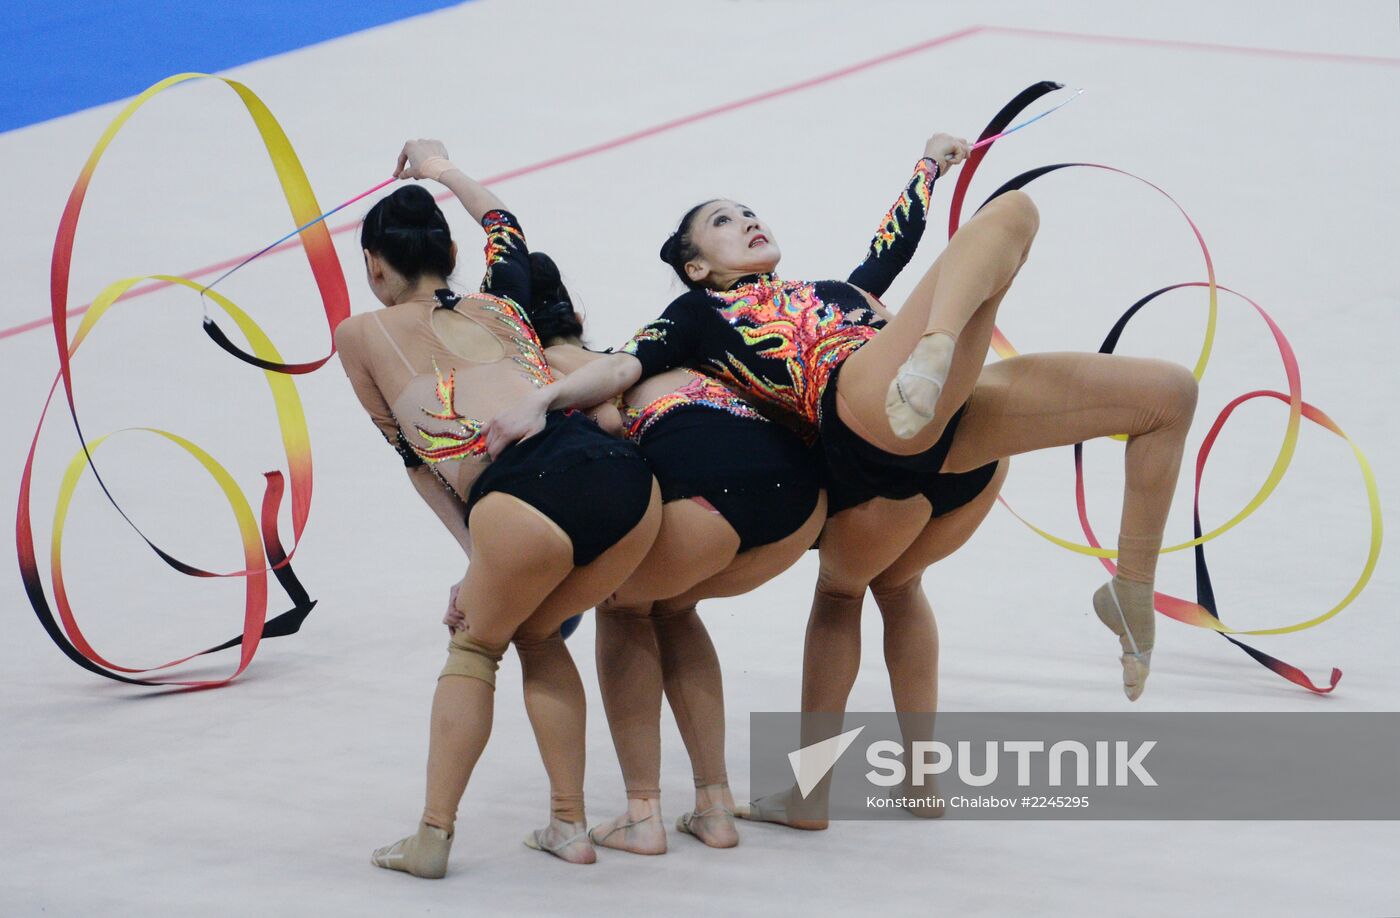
673 339
507 259
899 233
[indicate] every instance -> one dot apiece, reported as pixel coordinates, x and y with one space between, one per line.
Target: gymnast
901 404
743 501
552 526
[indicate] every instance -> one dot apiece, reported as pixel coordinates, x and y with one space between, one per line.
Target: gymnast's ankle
568 841
639 830
712 820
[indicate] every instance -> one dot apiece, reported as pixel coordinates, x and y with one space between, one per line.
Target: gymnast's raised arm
900 230
427 159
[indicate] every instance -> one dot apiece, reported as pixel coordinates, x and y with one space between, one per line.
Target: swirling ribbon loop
262 546
1203 613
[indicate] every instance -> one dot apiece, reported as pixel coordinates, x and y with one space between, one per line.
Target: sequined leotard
705 443
697 392
777 342
431 403
781 344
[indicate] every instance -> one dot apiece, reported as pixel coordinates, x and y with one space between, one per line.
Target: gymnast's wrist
545 398
937 169
435 167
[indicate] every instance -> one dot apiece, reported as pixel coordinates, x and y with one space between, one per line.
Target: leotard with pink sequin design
698 392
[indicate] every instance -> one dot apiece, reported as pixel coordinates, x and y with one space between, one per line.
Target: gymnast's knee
624 611
840 590
893 593
1184 391
466 656
1175 391
1017 213
671 609
527 644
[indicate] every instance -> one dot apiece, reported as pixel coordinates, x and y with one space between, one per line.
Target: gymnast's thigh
519 557
755 567
860 542
693 544
944 534
587 586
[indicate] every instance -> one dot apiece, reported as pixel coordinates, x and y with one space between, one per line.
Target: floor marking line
801 85
582 153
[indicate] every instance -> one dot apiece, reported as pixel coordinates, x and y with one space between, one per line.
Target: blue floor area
57 57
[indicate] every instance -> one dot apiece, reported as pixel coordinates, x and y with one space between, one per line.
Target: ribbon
263 550
1203 613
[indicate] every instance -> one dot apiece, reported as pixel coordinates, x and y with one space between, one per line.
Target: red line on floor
572 156
635 136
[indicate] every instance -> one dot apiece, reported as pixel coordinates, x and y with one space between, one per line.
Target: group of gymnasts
755 418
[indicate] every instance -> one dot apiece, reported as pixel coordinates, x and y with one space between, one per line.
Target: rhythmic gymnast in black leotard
743 500
879 399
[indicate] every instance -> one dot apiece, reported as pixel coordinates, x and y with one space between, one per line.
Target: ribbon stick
212 329
305 226
987 141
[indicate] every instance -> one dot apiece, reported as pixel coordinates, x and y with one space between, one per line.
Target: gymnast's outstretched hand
427 159
597 382
946 150
523 419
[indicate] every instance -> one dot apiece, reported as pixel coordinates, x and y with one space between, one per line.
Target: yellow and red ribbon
262 548
1203 613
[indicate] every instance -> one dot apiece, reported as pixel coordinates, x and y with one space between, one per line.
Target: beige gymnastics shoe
423 854
913 394
1125 608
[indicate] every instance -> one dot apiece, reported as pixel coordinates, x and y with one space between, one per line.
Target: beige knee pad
466 656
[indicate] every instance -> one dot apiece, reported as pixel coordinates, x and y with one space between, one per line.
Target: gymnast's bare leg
520 586
647 646
884 546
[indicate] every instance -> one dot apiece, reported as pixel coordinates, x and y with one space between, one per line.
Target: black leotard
777 342
782 344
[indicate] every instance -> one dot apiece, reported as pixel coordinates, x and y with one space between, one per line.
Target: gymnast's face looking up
726 241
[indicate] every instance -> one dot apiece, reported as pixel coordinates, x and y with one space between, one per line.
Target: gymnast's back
434 368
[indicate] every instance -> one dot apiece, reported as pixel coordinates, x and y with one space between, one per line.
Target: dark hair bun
408 230
680 248
551 309
413 206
